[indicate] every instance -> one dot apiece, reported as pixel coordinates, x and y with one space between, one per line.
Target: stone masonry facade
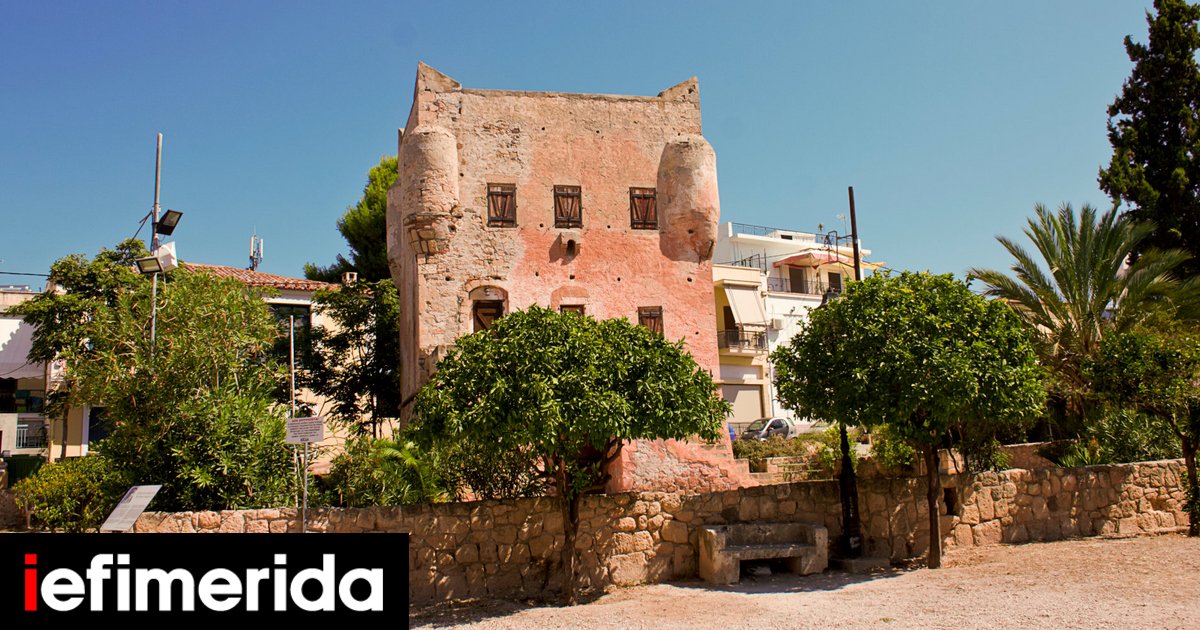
589 202
511 548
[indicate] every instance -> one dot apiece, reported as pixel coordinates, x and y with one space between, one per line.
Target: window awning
16 338
746 305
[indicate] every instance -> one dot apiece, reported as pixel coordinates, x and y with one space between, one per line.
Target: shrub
481 473
1120 436
72 495
830 454
757 451
984 455
1079 454
891 453
1125 436
383 472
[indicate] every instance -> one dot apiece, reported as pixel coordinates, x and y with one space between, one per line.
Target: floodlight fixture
148 266
166 225
163 260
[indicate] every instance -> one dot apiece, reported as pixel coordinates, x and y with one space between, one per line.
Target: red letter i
31 594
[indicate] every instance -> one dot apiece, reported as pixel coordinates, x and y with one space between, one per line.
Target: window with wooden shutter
643 208
568 207
578 309
651 317
486 312
502 205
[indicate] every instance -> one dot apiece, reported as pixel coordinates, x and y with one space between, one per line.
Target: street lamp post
162 258
851 541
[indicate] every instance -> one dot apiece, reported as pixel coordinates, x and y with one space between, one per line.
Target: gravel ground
1092 583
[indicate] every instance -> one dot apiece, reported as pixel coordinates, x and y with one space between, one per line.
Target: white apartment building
766 281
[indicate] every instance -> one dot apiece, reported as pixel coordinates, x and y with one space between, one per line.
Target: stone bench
723 547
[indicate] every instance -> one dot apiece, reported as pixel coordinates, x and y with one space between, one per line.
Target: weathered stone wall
445 257
1027 456
10 516
1019 505
511 548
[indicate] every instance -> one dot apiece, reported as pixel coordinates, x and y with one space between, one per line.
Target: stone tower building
598 203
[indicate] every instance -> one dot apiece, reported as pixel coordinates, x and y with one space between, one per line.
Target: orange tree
1157 373
922 356
567 391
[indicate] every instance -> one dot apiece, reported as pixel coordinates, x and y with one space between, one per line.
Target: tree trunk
933 489
570 513
1193 495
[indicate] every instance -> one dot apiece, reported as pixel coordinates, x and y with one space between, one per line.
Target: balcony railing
810 287
742 339
31 436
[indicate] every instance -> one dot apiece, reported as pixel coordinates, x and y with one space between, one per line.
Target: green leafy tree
1158 374
364 226
568 391
191 410
356 361
1077 289
920 355
1154 129
61 316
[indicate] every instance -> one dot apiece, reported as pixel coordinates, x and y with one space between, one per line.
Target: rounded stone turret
423 205
689 205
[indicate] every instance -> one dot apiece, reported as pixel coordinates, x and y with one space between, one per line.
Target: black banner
47 580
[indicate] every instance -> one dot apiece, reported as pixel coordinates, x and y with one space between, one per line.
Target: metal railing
809 287
762 230
31 436
756 261
742 339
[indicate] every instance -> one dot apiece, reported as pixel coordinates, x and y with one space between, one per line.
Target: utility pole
851 542
154 246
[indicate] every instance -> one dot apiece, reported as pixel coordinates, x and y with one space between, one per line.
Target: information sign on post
305 430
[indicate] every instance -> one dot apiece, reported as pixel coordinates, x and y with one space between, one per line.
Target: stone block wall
1018 505
512 548
10 515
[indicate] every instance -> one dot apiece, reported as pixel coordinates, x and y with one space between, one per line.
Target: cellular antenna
256 251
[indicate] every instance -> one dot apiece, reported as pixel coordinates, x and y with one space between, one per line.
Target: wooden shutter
643 208
568 207
651 317
485 312
502 205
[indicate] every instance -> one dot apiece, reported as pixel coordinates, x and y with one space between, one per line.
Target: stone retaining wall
1016 506
511 548
10 515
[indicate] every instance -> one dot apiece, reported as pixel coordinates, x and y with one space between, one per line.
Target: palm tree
1085 286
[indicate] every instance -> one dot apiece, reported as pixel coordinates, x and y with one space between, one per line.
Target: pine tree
1154 128
364 226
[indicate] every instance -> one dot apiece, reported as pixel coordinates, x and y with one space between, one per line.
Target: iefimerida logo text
180 590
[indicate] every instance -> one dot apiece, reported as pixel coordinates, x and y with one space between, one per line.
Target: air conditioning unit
777 323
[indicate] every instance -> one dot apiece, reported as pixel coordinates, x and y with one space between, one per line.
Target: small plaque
305 430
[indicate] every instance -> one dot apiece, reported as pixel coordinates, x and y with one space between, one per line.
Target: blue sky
950 119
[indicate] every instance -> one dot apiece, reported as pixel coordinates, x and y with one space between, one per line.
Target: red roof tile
258 278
